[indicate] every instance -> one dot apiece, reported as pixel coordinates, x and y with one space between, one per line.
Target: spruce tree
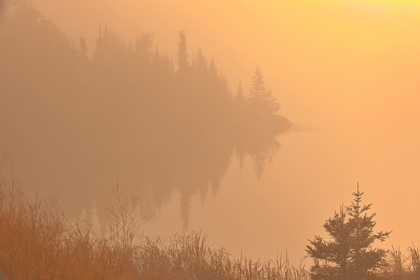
213 70
260 98
240 99
98 54
182 53
83 49
200 62
349 254
258 88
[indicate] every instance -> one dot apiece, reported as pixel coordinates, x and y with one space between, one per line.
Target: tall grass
38 241
403 265
190 257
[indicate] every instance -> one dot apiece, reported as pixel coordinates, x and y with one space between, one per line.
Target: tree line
175 122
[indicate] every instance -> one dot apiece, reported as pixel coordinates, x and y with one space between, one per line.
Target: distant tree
213 68
98 54
200 72
83 48
224 88
156 58
350 254
260 98
240 99
144 49
200 61
182 52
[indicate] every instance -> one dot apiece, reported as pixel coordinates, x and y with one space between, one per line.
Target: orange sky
348 69
359 44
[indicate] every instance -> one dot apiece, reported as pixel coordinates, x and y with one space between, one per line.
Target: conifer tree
240 99
98 54
83 48
143 48
199 69
214 76
200 63
260 98
349 254
224 87
182 53
258 87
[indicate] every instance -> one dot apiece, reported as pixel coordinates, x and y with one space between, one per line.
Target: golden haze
348 69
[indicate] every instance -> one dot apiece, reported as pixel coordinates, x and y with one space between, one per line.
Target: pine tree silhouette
349 254
260 98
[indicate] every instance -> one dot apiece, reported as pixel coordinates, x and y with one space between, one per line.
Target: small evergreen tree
260 98
350 254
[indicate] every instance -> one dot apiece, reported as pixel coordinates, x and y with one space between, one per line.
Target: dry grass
38 241
404 266
190 257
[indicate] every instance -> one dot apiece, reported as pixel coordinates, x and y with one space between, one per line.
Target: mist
146 95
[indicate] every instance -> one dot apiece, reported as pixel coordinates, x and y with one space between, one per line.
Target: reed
38 241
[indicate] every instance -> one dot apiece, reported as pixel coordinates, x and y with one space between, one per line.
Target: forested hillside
175 120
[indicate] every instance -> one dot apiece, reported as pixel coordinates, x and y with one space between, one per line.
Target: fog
346 74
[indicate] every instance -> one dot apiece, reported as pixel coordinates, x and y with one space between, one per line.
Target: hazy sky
348 69
331 53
